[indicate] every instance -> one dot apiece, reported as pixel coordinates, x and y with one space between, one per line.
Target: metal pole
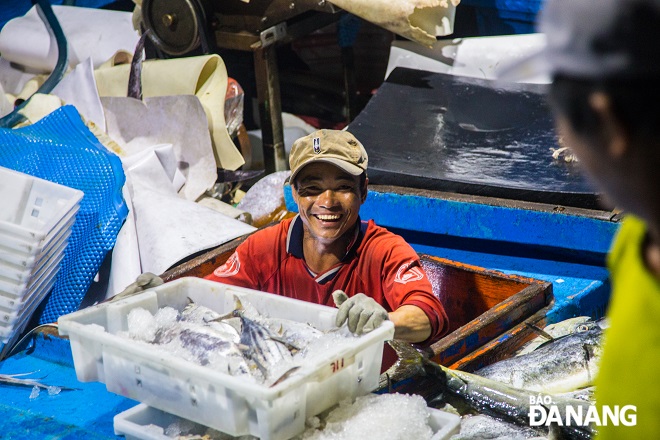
270 109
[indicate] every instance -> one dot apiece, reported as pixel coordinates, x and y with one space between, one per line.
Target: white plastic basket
220 401
12 324
143 422
25 256
35 225
15 323
16 283
33 208
12 301
9 317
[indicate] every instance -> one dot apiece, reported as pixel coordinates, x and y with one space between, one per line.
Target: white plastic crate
10 331
24 255
16 283
12 298
33 208
9 318
143 422
16 309
220 401
16 324
11 302
35 225
22 250
17 304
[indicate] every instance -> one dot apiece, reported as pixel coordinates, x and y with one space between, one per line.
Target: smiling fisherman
326 255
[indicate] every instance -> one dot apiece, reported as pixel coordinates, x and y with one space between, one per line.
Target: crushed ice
53 390
142 325
34 393
383 417
196 334
387 417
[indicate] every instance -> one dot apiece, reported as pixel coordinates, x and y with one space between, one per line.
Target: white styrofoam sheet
477 57
90 32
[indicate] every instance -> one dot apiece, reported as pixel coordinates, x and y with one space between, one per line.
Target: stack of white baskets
36 218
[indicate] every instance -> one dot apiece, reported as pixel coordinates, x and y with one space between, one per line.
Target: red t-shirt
378 263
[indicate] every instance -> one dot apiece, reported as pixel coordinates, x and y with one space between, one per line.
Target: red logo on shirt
230 268
406 274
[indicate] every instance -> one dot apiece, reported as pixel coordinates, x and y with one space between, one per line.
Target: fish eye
583 328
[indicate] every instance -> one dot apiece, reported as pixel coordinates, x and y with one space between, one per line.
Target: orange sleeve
406 283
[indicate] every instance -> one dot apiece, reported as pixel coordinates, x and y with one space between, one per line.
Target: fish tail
407 354
289 346
238 305
284 376
236 313
407 366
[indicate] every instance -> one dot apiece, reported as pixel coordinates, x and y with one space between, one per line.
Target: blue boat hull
561 245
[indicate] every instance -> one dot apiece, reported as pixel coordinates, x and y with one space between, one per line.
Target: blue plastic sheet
61 149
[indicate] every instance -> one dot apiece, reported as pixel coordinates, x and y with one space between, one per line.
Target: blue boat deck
84 413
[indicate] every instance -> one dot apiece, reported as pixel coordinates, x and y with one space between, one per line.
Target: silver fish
405 367
229 328
194 312
484 395
204 345
587 394
201 345
502 401
186 334
241 342
566 364
269 353
483 427
296 334
557 330
14 379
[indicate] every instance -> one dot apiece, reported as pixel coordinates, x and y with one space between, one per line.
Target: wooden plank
481 304
504 346
206 263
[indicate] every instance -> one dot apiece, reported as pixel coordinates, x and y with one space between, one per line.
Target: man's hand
143 282
362 312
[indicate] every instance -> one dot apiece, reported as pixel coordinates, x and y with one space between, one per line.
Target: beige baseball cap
337 147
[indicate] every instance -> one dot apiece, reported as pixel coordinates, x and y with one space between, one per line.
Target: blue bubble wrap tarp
61 149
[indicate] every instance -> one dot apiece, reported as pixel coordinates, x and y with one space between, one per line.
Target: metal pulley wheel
175 24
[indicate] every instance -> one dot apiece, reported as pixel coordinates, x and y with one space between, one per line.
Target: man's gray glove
143 282
363 313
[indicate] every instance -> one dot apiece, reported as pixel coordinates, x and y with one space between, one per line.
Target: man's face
328 200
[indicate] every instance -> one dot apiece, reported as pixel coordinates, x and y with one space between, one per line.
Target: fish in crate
242 343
